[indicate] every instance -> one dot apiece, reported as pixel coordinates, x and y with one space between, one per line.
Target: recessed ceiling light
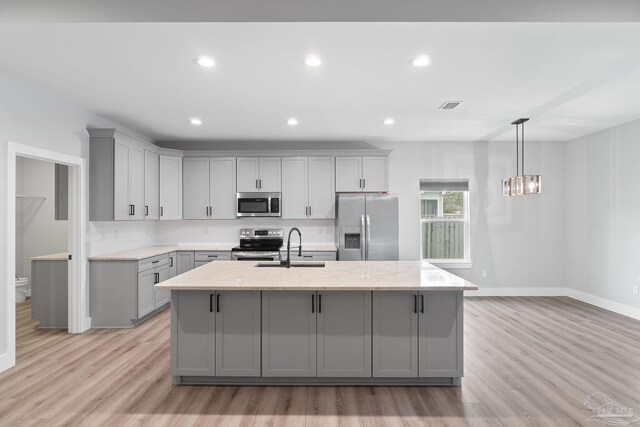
195 121
205 61
312 61
389 121
292 121
421 61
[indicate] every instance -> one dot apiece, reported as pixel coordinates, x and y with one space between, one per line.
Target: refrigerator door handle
368 236
363 243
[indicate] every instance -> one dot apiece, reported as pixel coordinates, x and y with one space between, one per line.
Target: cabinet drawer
309 256
153 262
207 256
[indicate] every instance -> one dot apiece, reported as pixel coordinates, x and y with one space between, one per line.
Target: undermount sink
293 264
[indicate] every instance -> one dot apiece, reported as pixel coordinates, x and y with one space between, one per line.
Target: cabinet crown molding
287 153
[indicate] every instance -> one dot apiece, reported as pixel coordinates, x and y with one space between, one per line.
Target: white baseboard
607 304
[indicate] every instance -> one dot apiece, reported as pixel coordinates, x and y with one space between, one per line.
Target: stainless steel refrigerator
367 227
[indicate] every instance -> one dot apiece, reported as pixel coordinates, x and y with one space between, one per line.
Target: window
444 221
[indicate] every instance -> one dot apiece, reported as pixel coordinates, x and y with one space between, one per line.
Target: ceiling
571 78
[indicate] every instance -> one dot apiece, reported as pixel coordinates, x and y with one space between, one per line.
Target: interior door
136 182
351 227
222 187
381 222
151 185
195 188
247 174
295 184
170 188
322 191
270 174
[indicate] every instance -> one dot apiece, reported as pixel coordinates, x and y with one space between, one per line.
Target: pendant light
520 185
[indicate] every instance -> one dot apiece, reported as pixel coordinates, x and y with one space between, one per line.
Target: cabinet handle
257 188
313 303
206 210
146 210
364 182
421 303
210 303
218 303
415 303
134 209
309 210
170 261
155 262
161 211
212 256
211 210
319 303
130 209
260 181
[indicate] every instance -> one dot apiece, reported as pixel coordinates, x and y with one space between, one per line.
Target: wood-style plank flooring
528 361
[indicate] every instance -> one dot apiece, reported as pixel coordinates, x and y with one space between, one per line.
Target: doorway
77 299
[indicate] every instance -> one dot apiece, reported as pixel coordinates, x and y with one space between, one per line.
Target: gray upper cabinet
237 333
193 338
170 188
355 174
288 334
308 188
209 188
440 334
151 185
117 175
344 334
259 174
395 334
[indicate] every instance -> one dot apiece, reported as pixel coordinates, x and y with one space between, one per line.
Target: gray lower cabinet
344 334
440 334
173 266
162 296
146 297
288 334
395 334
237 333
193 342
184 261
50 293
309 255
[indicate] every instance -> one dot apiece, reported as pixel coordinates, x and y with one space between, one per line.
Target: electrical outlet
635 290
484 273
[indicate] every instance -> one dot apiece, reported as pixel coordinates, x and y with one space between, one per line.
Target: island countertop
336 275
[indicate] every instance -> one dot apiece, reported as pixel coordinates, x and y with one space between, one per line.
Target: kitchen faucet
287 263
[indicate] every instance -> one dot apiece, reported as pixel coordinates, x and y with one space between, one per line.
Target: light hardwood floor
528 361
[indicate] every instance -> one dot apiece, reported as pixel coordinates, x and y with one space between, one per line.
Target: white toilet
22 289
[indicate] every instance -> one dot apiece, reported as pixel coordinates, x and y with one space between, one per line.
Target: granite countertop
151 251
60 256
342 276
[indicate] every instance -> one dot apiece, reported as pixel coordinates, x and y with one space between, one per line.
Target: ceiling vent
450 105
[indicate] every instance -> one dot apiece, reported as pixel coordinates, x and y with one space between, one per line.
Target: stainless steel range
258 244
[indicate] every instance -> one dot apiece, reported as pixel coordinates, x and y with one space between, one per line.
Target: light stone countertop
151 251
60 256
342 276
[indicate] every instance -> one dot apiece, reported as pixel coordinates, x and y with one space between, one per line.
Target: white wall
519 241
602 215
37 230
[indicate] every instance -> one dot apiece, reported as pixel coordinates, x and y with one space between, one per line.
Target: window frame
449 263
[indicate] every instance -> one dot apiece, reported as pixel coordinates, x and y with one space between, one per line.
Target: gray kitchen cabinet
209 188
170 188
173 265
440 334
344 334
61 183
162 296
205 257
50 292
355 174
116 168
193 338
146 296
395 334
259 174
309 255
151 185
237 328
288 334
308 188
185 261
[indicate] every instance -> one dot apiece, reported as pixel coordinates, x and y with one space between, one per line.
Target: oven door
255 256
253 204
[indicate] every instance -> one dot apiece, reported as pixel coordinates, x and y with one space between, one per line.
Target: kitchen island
381 322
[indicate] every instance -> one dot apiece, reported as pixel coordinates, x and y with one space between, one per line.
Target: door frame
79 320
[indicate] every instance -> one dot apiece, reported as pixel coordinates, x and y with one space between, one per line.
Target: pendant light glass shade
506 187
521 184
532 184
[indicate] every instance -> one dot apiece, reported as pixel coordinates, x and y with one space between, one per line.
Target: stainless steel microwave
258 204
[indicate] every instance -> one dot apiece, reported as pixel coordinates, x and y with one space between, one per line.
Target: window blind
444 185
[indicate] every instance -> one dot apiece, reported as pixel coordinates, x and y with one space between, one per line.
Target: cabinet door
193 340
270 174
151 185
288 334
295 185
170 188
184 261
162 296
146 294
348 174
173 265
247 174
238 333
395 334
344 334
222 187
440 334
322 192
195 187
121 208
136 182
375 173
